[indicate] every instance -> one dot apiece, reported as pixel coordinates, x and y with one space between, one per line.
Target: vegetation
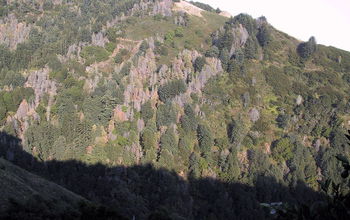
134 103
199 64
94 54
203 6
306 49
166 115
264 36
170 90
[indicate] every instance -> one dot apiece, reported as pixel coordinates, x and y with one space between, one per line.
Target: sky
327 20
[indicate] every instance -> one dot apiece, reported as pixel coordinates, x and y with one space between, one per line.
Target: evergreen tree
306 49
264 36
205 139
224 58
199 64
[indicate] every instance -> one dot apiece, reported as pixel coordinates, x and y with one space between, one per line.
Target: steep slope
25 195
18 186
166 83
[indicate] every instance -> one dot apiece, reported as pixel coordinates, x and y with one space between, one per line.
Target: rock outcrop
254 114
163 7
99 39
13 32
187 7
240 37
212 68
40 82
21 119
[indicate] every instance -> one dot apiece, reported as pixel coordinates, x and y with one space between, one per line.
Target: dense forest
164 109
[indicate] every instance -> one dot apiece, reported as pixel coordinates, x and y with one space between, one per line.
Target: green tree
148 139
247 21
166 115
168 141
171 89
194 168
224 58
264 36
212 52
205 139
199 64
306 49
283 120
235 132
3 109
189 121
230 167
282 150
250 48
186 143
147 111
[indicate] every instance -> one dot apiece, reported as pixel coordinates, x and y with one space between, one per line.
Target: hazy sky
327 20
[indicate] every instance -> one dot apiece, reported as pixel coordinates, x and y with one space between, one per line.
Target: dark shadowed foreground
144 192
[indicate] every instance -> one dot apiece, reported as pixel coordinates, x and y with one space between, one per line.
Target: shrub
118 58
125 69
179 32
111 34
144 46
110 47
278 81
169 37
160 49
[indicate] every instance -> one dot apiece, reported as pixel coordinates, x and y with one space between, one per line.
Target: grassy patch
94 54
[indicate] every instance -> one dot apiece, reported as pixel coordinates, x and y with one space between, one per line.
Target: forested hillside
173 93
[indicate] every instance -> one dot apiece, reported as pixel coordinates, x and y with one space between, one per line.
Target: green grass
147 27
94 54
195 36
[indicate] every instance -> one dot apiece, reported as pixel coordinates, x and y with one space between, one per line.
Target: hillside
20 185
177 86
24 195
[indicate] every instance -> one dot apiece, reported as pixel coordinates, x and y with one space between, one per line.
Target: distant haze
327 20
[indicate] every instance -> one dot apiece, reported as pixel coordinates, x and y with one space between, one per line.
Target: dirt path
134 50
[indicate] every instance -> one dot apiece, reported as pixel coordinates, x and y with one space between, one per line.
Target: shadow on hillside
144 192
